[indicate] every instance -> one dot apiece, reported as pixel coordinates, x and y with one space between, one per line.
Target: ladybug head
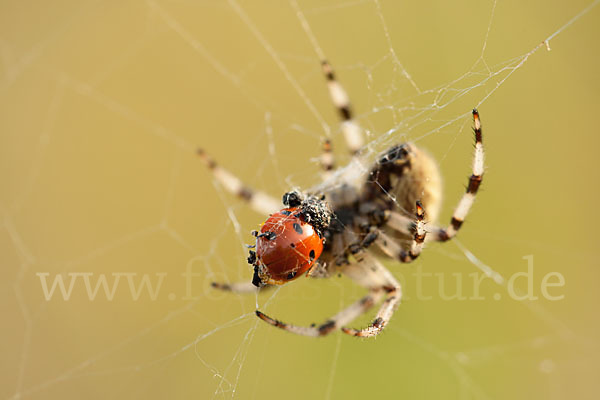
314 209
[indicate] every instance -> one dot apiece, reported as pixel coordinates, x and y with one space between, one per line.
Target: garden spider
332 233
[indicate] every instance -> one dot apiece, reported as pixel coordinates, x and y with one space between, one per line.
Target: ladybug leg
352 132
258 201
343 317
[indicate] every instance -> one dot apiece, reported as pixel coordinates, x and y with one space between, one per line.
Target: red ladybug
286 247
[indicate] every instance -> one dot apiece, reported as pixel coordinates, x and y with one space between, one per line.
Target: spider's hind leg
467 200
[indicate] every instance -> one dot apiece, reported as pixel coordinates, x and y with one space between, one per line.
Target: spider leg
388 218
389 245
368 271
399 222
465 203
343 317
239 287
352 131
405 225
327 159
318 270
392 248
258 201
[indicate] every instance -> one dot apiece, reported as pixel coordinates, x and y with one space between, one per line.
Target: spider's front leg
239 287
258 201
369 272
390 246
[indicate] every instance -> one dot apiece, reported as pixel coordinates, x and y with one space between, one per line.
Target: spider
346 227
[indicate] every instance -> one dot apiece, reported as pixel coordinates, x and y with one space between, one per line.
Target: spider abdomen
403 175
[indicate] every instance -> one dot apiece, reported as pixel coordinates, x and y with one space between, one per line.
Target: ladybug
290 240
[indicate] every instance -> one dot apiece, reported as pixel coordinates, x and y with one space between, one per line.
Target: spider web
103 106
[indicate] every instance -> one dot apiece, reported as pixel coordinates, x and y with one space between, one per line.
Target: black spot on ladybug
292 245
286 212
268 235
298 228
311 255
291 275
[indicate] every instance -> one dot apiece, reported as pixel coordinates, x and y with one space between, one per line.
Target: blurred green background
102 105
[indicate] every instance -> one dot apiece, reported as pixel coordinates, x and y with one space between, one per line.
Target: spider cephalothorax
342 230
